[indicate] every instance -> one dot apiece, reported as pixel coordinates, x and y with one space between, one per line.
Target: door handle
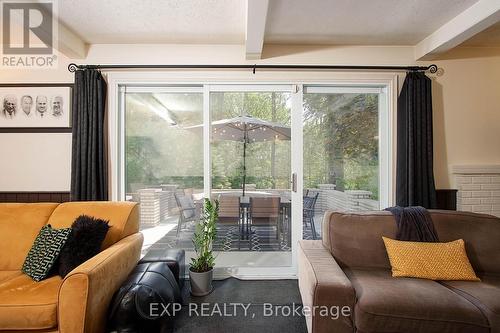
294 182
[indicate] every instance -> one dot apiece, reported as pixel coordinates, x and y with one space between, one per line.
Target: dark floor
269 303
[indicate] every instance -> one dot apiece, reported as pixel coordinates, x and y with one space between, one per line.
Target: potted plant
201 267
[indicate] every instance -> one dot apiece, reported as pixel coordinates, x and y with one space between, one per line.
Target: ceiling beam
476 18
70 44
256 26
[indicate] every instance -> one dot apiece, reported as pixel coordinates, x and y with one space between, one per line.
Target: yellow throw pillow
434 261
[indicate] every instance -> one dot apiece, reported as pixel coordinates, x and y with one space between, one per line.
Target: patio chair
230 213
229 209
265 211
197 200
309 204
187 210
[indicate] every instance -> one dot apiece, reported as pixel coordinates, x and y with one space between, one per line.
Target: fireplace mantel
476 169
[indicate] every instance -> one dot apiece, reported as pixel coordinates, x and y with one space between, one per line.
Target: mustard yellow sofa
79 302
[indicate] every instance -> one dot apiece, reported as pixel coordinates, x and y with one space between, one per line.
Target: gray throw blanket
414 224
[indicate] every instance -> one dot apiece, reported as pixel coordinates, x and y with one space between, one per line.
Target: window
336 139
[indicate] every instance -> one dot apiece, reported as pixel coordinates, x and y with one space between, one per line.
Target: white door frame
211 80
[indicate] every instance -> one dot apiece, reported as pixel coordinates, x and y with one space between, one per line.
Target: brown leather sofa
79 302
349 268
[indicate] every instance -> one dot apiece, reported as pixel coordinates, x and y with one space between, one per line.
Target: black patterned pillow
44 252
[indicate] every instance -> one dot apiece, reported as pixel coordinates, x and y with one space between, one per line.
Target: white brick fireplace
478 188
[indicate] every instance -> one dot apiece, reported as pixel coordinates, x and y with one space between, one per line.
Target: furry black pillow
84 242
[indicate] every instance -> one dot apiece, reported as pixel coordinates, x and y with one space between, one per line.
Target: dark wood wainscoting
34 196
446 199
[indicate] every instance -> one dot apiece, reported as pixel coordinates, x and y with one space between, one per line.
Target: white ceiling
351 22
155 21
431 26
368 22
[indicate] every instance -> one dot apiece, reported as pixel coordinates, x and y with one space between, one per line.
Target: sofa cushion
19 225
26 304
7 275
387 304
485 295
123 217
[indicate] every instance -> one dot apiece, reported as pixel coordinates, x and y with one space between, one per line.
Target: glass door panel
250 152
164 162
340 152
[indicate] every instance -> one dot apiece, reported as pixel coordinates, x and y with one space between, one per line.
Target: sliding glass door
276 157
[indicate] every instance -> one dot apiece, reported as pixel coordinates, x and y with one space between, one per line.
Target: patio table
285 209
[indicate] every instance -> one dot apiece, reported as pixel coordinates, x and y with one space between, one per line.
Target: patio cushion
387 304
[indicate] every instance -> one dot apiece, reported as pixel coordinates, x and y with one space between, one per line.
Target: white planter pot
201 283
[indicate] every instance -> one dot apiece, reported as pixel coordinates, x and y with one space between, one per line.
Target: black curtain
414 175
89 170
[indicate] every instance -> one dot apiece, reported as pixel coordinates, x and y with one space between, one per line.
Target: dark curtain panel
414 175
89 179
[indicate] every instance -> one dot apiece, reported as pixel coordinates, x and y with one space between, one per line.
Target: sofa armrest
324 287
86 292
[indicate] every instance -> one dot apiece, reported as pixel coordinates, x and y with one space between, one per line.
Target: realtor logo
28 34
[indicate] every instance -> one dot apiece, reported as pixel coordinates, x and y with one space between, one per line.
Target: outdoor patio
160 215
262 239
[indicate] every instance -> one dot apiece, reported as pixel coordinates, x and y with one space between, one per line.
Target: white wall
466 102
35 162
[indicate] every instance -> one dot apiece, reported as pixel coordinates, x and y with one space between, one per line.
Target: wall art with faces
35 105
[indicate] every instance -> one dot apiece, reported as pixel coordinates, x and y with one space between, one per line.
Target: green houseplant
201 267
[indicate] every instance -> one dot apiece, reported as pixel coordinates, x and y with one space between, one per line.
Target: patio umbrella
247 130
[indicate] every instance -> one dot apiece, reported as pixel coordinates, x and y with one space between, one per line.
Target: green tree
341 140
141 155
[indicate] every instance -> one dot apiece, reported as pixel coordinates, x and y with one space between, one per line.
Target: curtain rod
431 68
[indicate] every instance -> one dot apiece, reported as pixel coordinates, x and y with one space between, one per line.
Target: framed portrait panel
35 107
